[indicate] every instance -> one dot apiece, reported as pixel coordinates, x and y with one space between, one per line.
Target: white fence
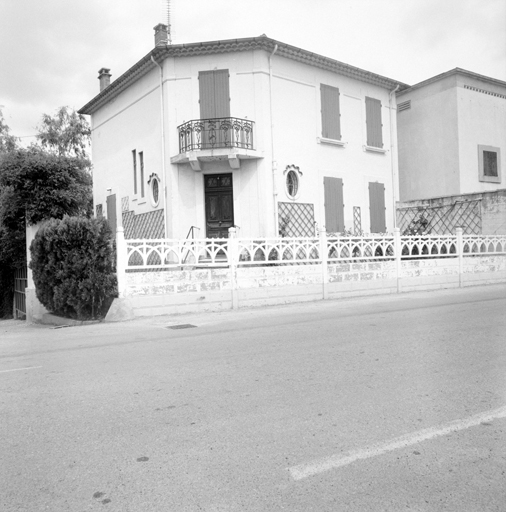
145 255
175 276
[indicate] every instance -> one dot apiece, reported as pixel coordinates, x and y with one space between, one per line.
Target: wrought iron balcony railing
224 132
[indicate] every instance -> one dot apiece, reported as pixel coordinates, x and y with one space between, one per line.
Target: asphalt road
372 404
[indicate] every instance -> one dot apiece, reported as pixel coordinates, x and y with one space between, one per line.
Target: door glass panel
226 207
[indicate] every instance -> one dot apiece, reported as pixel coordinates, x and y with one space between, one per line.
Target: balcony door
219 205
214 94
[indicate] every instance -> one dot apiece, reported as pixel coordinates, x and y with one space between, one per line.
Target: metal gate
20 284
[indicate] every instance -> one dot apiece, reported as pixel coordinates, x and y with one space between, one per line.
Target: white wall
439 136
132 121
428 142
482 121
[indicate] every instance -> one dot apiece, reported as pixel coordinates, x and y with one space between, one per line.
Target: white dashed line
336 461
19 369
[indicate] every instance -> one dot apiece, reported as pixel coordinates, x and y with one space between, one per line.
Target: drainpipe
164 186
394 185
274 164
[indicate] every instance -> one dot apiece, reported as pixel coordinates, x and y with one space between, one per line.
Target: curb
50 319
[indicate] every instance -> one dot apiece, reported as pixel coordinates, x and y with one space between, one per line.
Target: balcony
225 138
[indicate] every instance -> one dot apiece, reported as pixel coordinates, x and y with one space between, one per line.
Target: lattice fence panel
441 220
357 220
296 219
145 225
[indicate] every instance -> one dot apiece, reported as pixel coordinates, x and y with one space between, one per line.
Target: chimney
104 76
161 35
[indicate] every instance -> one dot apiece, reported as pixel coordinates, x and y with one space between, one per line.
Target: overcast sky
51 50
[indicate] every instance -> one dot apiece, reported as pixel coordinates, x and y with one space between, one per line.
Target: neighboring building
451 135
452 152
247 132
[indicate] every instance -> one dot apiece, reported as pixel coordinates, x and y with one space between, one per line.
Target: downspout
164 186
273 163
394 184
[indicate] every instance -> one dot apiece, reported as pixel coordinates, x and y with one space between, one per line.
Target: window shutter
331 117
206 94
334 205
221 93
377 207
214 94
373 121
111 212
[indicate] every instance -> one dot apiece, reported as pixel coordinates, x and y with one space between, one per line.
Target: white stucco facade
443 123
270 85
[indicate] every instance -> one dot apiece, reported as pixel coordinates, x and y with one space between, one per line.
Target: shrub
73 267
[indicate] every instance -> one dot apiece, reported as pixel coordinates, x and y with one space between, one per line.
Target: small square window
489 163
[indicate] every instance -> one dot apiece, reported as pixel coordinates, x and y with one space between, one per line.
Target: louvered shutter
331 121
373 121
214 94
334 206
221 93
111 212
377 207
206 95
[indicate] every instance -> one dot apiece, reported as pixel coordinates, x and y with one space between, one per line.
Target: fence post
398 255
121 260
324 253
232 261
460 255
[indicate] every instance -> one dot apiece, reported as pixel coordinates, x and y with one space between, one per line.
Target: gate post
324 252
460 255
232 261
121 260
398 255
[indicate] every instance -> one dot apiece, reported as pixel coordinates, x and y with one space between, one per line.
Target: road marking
336 461
19 369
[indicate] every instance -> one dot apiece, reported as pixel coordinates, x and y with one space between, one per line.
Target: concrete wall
173 292
439 135
428 142
482 121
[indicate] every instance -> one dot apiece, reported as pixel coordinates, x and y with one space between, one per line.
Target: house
452 153
254 133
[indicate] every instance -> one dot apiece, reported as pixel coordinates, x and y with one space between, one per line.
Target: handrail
219 132
191 230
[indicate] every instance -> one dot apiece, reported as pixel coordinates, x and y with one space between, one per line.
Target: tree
73 267
39 183
67 133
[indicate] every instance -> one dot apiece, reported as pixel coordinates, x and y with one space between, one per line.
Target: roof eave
234 45
455 71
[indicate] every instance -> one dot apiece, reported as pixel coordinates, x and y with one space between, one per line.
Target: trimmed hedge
73 267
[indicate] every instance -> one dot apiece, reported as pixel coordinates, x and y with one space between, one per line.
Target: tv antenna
169 30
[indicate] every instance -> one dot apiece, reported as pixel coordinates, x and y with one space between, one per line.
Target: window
331 117
489 163
373 122
141 163
134 158
292 181
154 188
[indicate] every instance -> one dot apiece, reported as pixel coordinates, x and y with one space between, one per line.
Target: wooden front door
219 205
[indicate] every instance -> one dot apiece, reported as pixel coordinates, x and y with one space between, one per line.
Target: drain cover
181 326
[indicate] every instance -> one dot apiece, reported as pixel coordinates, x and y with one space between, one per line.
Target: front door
219 205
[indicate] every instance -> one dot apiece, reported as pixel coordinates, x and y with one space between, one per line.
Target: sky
51 50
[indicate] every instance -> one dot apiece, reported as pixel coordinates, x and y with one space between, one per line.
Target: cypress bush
73 267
